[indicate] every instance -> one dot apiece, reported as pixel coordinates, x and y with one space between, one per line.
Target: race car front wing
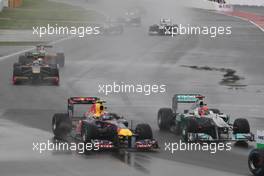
197 137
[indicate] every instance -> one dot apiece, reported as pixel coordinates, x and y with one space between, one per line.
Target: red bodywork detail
57 81
202 111
200 97
92 109
79 127
14 80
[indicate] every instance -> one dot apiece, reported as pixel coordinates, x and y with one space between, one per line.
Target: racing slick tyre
61 59
61 125
256 162
184 133
165 118
241 126
190 126
23 60
143 131
16 65
89 132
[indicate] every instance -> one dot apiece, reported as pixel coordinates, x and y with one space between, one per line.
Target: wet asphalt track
136 58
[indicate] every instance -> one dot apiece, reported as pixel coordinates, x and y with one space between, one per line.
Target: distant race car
164 28
256 156
36 71
41 51
112 27
131 18
95 125
201 123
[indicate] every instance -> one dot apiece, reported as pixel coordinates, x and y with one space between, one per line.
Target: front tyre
256 162
144 131
165 118
241 126
61 125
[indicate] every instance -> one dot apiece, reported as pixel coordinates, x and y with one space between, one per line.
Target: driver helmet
40 60
201 104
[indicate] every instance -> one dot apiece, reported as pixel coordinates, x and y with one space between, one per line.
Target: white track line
262 29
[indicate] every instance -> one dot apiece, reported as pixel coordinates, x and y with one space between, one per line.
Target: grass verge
21 43
43 12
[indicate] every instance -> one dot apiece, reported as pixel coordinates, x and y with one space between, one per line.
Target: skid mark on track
230 78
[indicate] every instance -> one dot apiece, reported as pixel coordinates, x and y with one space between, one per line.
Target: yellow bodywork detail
99 109
124 132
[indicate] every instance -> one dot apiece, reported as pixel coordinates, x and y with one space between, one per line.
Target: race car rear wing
185 98
80 100
45 46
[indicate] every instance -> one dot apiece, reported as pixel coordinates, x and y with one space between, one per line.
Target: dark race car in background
131 18
107 130
41 51
36 71
165 27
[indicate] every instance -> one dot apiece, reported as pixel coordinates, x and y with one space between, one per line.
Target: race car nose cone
124 132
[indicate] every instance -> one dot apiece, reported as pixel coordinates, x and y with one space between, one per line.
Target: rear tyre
23 60
144 131
165 118
256 162
61 125
241 126
88 132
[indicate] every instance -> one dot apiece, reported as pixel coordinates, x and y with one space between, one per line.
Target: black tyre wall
63 125
165 115
241 126
144 131
256 162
